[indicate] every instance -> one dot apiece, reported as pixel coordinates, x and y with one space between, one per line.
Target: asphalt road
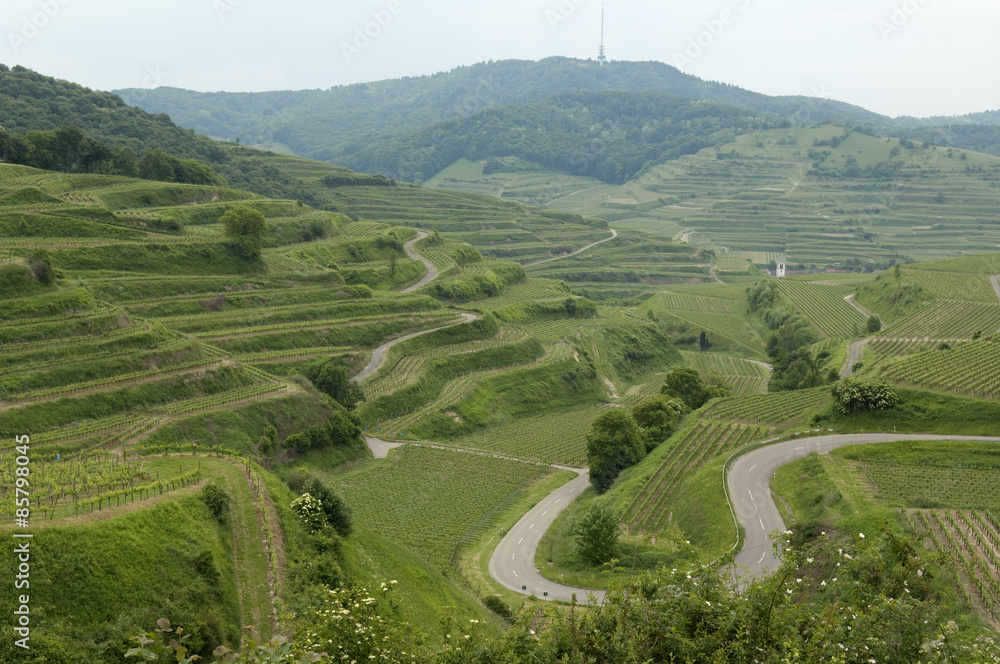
854 355
513 561
431 270
995 280
861 310
378 355
749 481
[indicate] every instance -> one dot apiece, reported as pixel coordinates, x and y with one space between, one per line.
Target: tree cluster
694 389
611 136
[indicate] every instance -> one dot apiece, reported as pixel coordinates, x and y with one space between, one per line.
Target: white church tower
780 272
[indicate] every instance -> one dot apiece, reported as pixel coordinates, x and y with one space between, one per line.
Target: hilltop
329 124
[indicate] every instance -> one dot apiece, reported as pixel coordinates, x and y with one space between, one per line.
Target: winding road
855 351
431 270
614 234
749 482
849 299
513 561
378 355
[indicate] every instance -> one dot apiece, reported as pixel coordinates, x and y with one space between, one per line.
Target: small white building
781 267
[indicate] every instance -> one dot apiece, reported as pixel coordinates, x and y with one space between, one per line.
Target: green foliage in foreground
835 598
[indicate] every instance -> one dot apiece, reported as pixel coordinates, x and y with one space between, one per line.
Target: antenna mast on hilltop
601 58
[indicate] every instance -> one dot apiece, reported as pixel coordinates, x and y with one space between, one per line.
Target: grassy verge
920 411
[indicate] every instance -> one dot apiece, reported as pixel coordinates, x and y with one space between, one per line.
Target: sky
896 57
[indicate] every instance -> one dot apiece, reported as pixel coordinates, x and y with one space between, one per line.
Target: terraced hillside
133 333
823 195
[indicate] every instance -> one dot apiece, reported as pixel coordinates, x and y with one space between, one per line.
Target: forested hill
326 124
32 102
315 123
607 135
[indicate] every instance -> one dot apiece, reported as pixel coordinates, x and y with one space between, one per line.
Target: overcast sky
897 57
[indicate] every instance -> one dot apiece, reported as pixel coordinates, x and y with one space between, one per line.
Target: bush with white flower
310 510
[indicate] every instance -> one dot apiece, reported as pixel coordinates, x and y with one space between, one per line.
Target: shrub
310 510
218 500
338 514
855 396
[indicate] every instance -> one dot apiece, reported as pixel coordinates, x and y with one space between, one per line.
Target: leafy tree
762 295
658 417
245 227
337 512
40 267
331 378
856 396
874 324
614 443
597 533
157 165
703 341
341 429
690 387
794 334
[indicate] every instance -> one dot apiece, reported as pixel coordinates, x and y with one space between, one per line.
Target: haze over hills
328 124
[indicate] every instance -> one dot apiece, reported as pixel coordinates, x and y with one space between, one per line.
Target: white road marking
751 495
751 469
762 524
531 526
515 571
758 562
520 540
513 555
558 501
800 448
545 512
572 490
